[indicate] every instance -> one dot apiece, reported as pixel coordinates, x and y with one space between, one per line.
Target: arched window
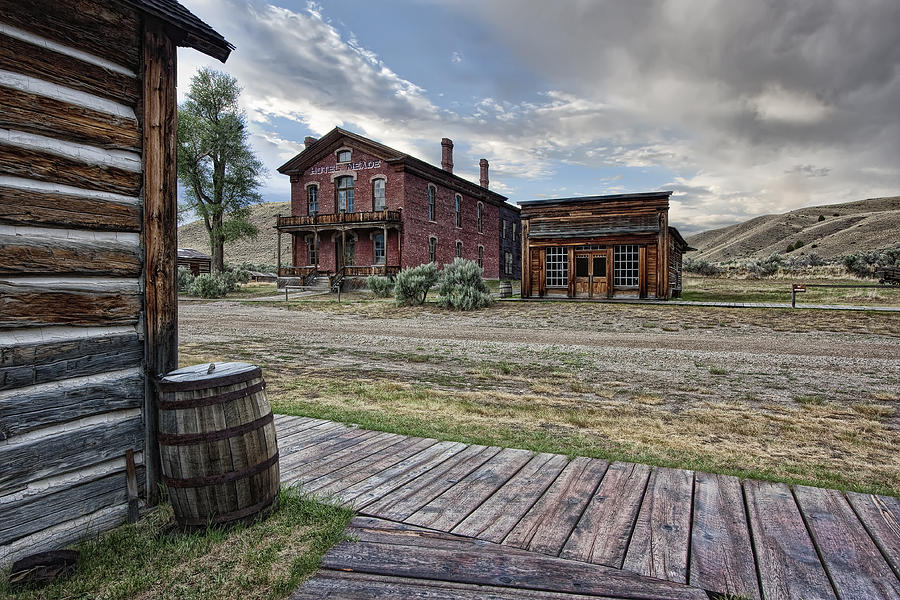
481 256
432 249
378 198
312 200
344 192
379 249
458 249
431 192
480 217
458 210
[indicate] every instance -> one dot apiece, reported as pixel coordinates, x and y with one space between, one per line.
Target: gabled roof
190 253
194 33
322 146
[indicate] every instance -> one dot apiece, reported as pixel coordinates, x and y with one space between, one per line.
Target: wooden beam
19 206
44 166
25 303
27 255
160 226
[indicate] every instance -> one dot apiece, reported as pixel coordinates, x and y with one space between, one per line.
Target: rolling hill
831 231
257 251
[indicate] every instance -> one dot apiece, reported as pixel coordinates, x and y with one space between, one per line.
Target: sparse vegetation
382 287
211 285
151 559
865 264
462 286
412 284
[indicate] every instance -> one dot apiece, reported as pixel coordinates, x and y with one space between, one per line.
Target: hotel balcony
339 220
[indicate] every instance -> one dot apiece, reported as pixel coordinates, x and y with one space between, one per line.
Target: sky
741 108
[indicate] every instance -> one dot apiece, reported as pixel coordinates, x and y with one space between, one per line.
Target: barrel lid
200 376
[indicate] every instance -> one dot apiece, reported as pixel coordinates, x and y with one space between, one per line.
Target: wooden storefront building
88 305
617 246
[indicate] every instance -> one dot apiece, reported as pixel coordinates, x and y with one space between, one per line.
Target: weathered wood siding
72 343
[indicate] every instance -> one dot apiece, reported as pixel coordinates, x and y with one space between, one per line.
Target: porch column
385 238
343 257
316 242
278 252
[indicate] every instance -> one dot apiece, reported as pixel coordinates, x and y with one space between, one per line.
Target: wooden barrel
217 443
505 289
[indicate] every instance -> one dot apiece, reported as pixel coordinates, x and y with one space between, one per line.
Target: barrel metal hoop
192 482
231 516
201 384
211 400
188 439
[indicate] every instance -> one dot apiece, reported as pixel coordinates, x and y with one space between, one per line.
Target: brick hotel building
360 208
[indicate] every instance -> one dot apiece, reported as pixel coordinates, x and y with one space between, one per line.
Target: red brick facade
406 183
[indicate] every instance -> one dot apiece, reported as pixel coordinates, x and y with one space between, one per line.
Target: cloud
752 107
456 57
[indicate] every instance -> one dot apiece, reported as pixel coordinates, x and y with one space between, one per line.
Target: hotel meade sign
351 166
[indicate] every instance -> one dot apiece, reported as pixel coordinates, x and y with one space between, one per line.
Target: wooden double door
591 274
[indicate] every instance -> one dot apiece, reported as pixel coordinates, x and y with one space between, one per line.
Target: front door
590 274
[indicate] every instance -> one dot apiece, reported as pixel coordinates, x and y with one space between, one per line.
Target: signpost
797 287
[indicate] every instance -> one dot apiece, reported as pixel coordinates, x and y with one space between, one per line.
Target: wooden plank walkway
714 532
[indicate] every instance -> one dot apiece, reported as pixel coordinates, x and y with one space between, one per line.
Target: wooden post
316 242
385 249
160 226
279 247
343 256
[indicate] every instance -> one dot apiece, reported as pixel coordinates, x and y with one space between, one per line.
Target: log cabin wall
576 247
87 260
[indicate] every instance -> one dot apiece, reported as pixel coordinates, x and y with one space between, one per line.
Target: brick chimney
309 141
483 163
447 154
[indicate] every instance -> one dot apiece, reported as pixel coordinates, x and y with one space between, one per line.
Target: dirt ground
793 395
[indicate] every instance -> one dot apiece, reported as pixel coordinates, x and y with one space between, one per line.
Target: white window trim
372 181
343 149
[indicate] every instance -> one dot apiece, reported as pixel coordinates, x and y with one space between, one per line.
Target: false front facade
360 208
618 246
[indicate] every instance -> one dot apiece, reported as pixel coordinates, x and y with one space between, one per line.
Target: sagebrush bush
412 284
462 286
185 279
864 264
701 267
382 287
765 267
209 285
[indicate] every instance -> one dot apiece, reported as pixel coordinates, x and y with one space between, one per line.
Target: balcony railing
348 271
376 216
295 271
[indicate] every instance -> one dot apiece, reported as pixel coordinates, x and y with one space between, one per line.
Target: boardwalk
714 532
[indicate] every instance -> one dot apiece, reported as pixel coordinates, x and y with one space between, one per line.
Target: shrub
382 287
765 267
462 286
412 284
208 285
185 279
701 267
864 264
821 218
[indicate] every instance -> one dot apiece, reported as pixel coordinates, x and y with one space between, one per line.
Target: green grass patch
151 559
809 400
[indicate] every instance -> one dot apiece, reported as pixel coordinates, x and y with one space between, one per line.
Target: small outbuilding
616 246
194 260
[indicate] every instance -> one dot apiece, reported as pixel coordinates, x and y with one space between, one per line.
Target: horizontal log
55 118
21 57
26 255
43 166
108 30
68 451
34 514
30 409
36 207
24 304
42 362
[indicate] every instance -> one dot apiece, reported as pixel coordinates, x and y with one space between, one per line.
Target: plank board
602 535
50 209
721 552
851 558
26 255
493 519
789 566
43 166
548 524
881 517
386 481
50 117
405 500
29 409
451 507
661 537
336 460
25 305
311 452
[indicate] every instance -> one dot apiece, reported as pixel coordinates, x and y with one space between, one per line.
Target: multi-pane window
625 266
344 192
378 197
432 249
312 199
508 262
481 256
311 254
458 210
343 156
515 227
458 249
431 205
379 249
503 229
557 267
480 217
